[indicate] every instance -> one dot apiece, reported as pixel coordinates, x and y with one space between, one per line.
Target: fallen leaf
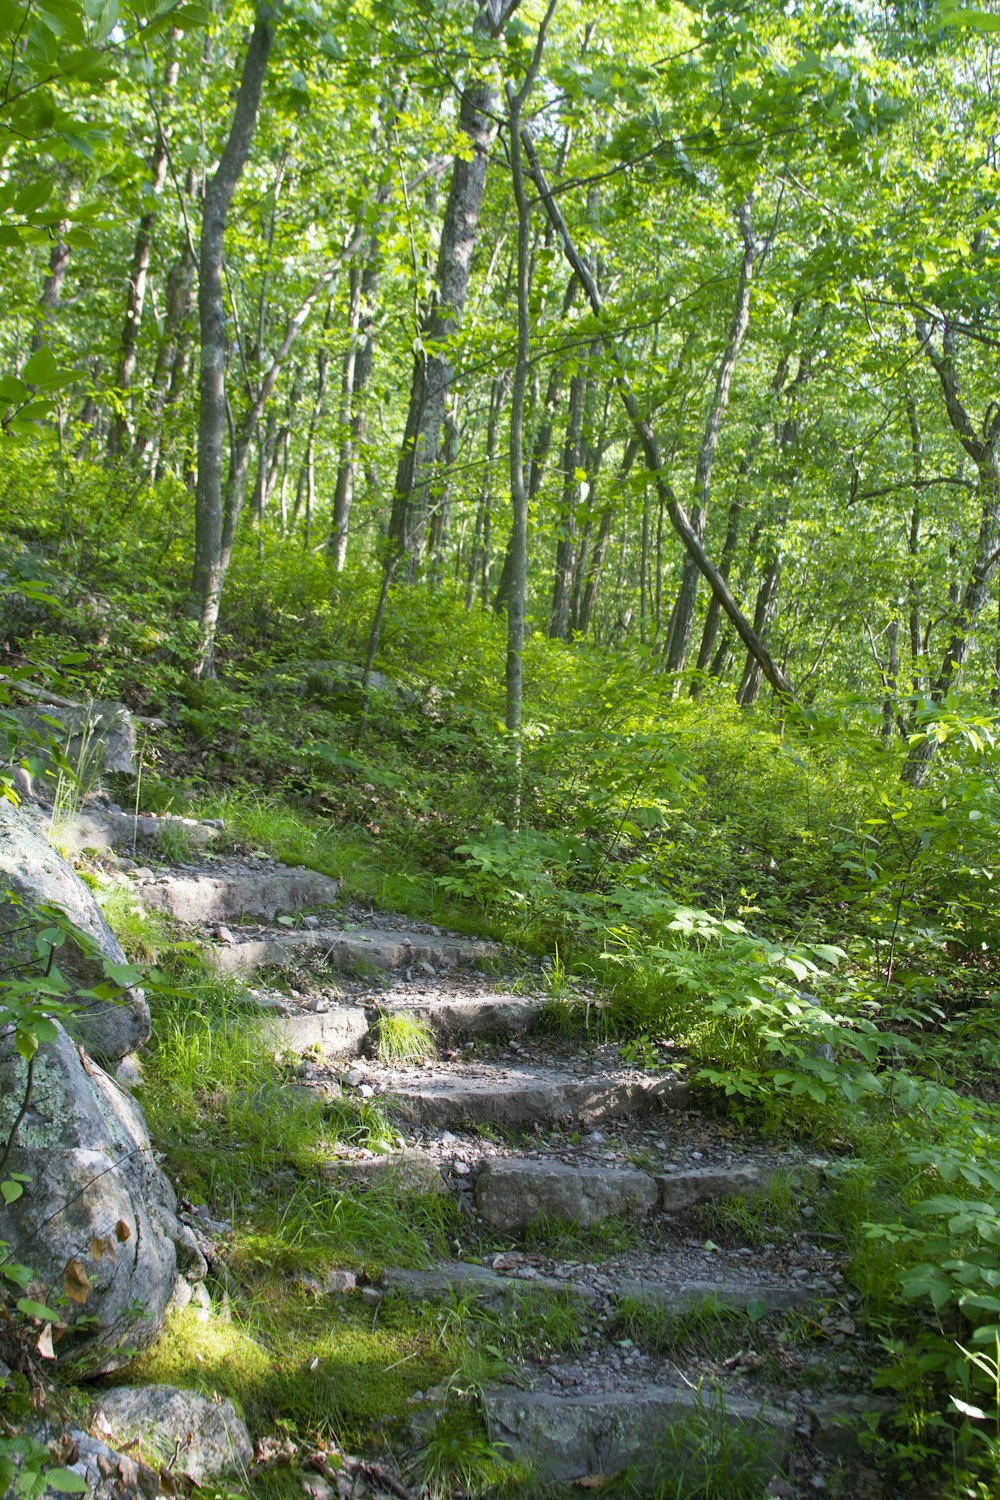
122 1232
596 1481
76 1282
44 1345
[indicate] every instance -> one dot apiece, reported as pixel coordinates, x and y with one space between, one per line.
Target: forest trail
589 1179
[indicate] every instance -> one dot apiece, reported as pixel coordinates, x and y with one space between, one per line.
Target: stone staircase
528 1128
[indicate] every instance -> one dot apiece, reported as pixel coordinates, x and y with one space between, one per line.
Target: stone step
246 894
512 1192
464 1018
336 948
671 1293
340 1031
566 1438
520 1097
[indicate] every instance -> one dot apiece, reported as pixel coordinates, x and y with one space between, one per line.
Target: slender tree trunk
562 582
433 368
180 306
983 452
651 451
518 485
479 557
128 350
682 619
209 560
913 549
600 549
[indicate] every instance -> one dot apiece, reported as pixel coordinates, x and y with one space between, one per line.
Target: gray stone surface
524 1096
683 1294
460 1018
678 1294
512 1193
207 1436
338 1032
685 1190
339 949
572 1437
840 1423
96 1202
457 1279
94 737
104 828
109 1475
32 871
253 895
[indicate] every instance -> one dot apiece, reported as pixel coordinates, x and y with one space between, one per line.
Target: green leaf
33 1309
66 1482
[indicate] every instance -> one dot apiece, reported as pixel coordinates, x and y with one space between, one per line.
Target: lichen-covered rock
207 1436
97 1220
36 876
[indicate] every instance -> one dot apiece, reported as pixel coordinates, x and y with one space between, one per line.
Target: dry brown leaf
596 1481
122 1232
44 1345
76 1282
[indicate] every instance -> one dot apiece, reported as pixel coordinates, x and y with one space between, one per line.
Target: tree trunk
128 350
518 486
433 368
479 557
651 451
180 305
355 375
209 559
562 581
983 452
682 618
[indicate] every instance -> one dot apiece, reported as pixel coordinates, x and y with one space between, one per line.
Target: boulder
108 1475
337 685
96 1222
35 876
102 828
94 737
207 1436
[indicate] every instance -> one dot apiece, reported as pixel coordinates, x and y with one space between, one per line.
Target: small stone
371 1295
340 1281
223 935
311 922
461 1168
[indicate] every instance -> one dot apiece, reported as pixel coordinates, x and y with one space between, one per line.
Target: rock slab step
513 1193
338 1032
575 1437
338 949
462 1018
249 895
516 1098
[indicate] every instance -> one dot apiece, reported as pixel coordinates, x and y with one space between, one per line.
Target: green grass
143 934
401 1037
764 1216
457 1458
568 1241
708 1327
291 1360
709 1456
